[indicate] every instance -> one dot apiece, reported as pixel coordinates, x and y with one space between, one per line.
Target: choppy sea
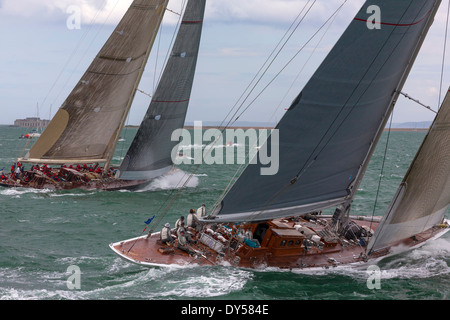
44 234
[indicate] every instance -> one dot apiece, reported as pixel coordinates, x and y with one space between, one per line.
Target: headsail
88 124
150 152
424 194
330 131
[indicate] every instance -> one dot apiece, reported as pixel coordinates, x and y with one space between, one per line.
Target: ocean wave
200 282
172 180
17 192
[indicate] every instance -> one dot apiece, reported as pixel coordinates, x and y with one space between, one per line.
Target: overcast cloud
237 37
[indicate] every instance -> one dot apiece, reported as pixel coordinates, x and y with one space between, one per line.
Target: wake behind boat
87 127
334 124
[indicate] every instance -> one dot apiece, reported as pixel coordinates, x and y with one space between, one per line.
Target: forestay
424 194
87 126
150 152
330 131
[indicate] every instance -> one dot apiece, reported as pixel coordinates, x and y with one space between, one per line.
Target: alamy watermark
374 277
73 21
74 280
374 21
229 146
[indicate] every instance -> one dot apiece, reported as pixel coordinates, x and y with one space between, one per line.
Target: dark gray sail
424 194
330 131
150 152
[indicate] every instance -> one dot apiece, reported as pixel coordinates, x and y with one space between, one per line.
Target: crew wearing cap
165 234
179 221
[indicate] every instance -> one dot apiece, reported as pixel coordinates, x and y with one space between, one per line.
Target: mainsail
150 152
87 126
424 194
331 129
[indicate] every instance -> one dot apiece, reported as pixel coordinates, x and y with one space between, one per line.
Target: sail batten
329 132
88 124
150 152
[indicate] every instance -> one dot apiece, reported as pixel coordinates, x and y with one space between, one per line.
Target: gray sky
42 58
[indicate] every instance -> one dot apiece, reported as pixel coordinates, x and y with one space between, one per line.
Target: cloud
238 36
110 11
269 11
56 10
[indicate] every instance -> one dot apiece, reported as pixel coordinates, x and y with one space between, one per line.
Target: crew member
166 234
182 243
201 212
192 220
179 221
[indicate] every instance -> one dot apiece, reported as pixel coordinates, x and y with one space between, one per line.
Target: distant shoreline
190 127
407 129
269 128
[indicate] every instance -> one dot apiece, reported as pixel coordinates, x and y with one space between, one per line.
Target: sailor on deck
179 222
166 234
192 220
180 229
186 234
201 212
182 242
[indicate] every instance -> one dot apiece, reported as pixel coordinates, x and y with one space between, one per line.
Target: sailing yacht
82 136
326 139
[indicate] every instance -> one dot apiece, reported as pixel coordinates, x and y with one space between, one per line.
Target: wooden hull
282 247
72 179
95 184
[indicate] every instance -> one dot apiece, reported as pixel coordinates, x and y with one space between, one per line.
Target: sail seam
144 7
328 135
122 58
170 101
397 24
114 74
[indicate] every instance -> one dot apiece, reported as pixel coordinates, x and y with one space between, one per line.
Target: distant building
31 123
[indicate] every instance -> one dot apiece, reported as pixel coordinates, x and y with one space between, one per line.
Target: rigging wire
169 48
302 68
389 131
228 124
295 178
382 170
289 62
143 92
91 26
332 18
415 100
317 151
230 121
103 76
273 55
443 54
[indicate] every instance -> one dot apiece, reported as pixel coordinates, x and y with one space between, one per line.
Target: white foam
172 180
202 282
17 192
